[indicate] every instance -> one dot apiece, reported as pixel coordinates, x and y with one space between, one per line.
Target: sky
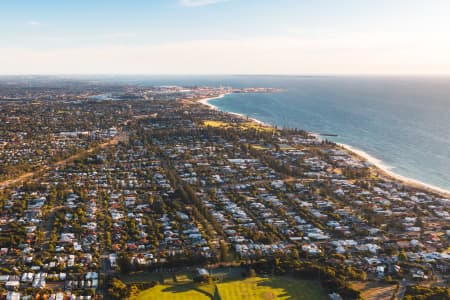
408 37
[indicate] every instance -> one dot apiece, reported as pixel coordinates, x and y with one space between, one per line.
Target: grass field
243 126
257 288
173 292
282 288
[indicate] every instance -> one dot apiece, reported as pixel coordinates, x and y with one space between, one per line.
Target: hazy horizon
202 75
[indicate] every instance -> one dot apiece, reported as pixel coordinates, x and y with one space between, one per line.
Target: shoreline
380 168
385 171
205 101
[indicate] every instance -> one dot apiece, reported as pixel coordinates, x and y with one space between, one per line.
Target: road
6 183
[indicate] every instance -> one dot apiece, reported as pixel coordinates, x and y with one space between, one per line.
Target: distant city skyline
225 37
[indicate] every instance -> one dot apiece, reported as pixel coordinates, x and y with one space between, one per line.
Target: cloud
357 53
118 35
199 2
34 23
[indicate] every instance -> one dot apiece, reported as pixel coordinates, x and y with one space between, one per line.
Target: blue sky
262 36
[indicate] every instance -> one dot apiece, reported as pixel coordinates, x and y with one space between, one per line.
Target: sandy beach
205 101
386 171
380 168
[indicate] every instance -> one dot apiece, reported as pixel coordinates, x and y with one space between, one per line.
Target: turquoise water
404 122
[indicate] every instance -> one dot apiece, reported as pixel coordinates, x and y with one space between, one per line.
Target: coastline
205 101
379 167
386 171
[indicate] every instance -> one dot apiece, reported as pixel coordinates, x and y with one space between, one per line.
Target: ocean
404 122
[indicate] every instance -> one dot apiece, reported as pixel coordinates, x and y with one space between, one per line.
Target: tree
402 256
124 263
251 272
118 289
363 276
